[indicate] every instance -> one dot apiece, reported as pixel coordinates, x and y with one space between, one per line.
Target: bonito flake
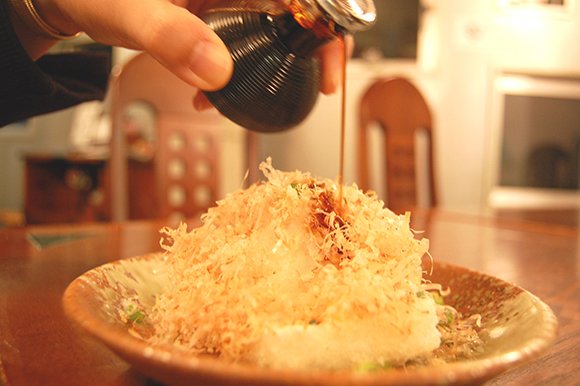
284 274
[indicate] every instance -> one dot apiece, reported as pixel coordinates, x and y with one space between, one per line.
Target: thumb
175 37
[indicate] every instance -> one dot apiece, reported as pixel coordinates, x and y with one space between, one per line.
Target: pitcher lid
354 15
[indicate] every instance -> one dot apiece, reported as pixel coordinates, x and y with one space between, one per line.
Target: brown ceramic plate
518 328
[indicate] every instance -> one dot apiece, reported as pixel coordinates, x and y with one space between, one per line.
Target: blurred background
501 77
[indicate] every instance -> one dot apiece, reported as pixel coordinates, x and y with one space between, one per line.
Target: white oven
534 142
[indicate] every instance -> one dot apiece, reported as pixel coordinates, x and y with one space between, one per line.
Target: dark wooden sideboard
66 189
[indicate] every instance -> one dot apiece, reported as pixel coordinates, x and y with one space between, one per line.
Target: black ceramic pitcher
276 76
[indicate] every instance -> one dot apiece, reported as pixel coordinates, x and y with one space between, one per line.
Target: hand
165 29
171 33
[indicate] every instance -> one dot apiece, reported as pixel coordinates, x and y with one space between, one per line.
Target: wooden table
39 347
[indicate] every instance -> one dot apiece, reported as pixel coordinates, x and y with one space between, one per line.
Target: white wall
453 78
538 39
463 44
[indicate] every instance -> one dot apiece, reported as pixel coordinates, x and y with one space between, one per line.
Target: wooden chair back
401 111
175 173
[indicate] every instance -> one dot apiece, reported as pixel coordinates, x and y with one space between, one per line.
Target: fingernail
331 84
212 63
335 84
197 102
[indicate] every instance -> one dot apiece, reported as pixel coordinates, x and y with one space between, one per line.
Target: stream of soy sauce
342 41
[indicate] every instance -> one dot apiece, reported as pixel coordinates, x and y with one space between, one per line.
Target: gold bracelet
29 16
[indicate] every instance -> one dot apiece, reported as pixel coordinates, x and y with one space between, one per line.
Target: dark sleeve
52 83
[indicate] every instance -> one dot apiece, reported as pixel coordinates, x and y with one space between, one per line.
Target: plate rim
176 361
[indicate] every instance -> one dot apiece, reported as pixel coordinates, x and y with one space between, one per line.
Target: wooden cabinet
66 189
